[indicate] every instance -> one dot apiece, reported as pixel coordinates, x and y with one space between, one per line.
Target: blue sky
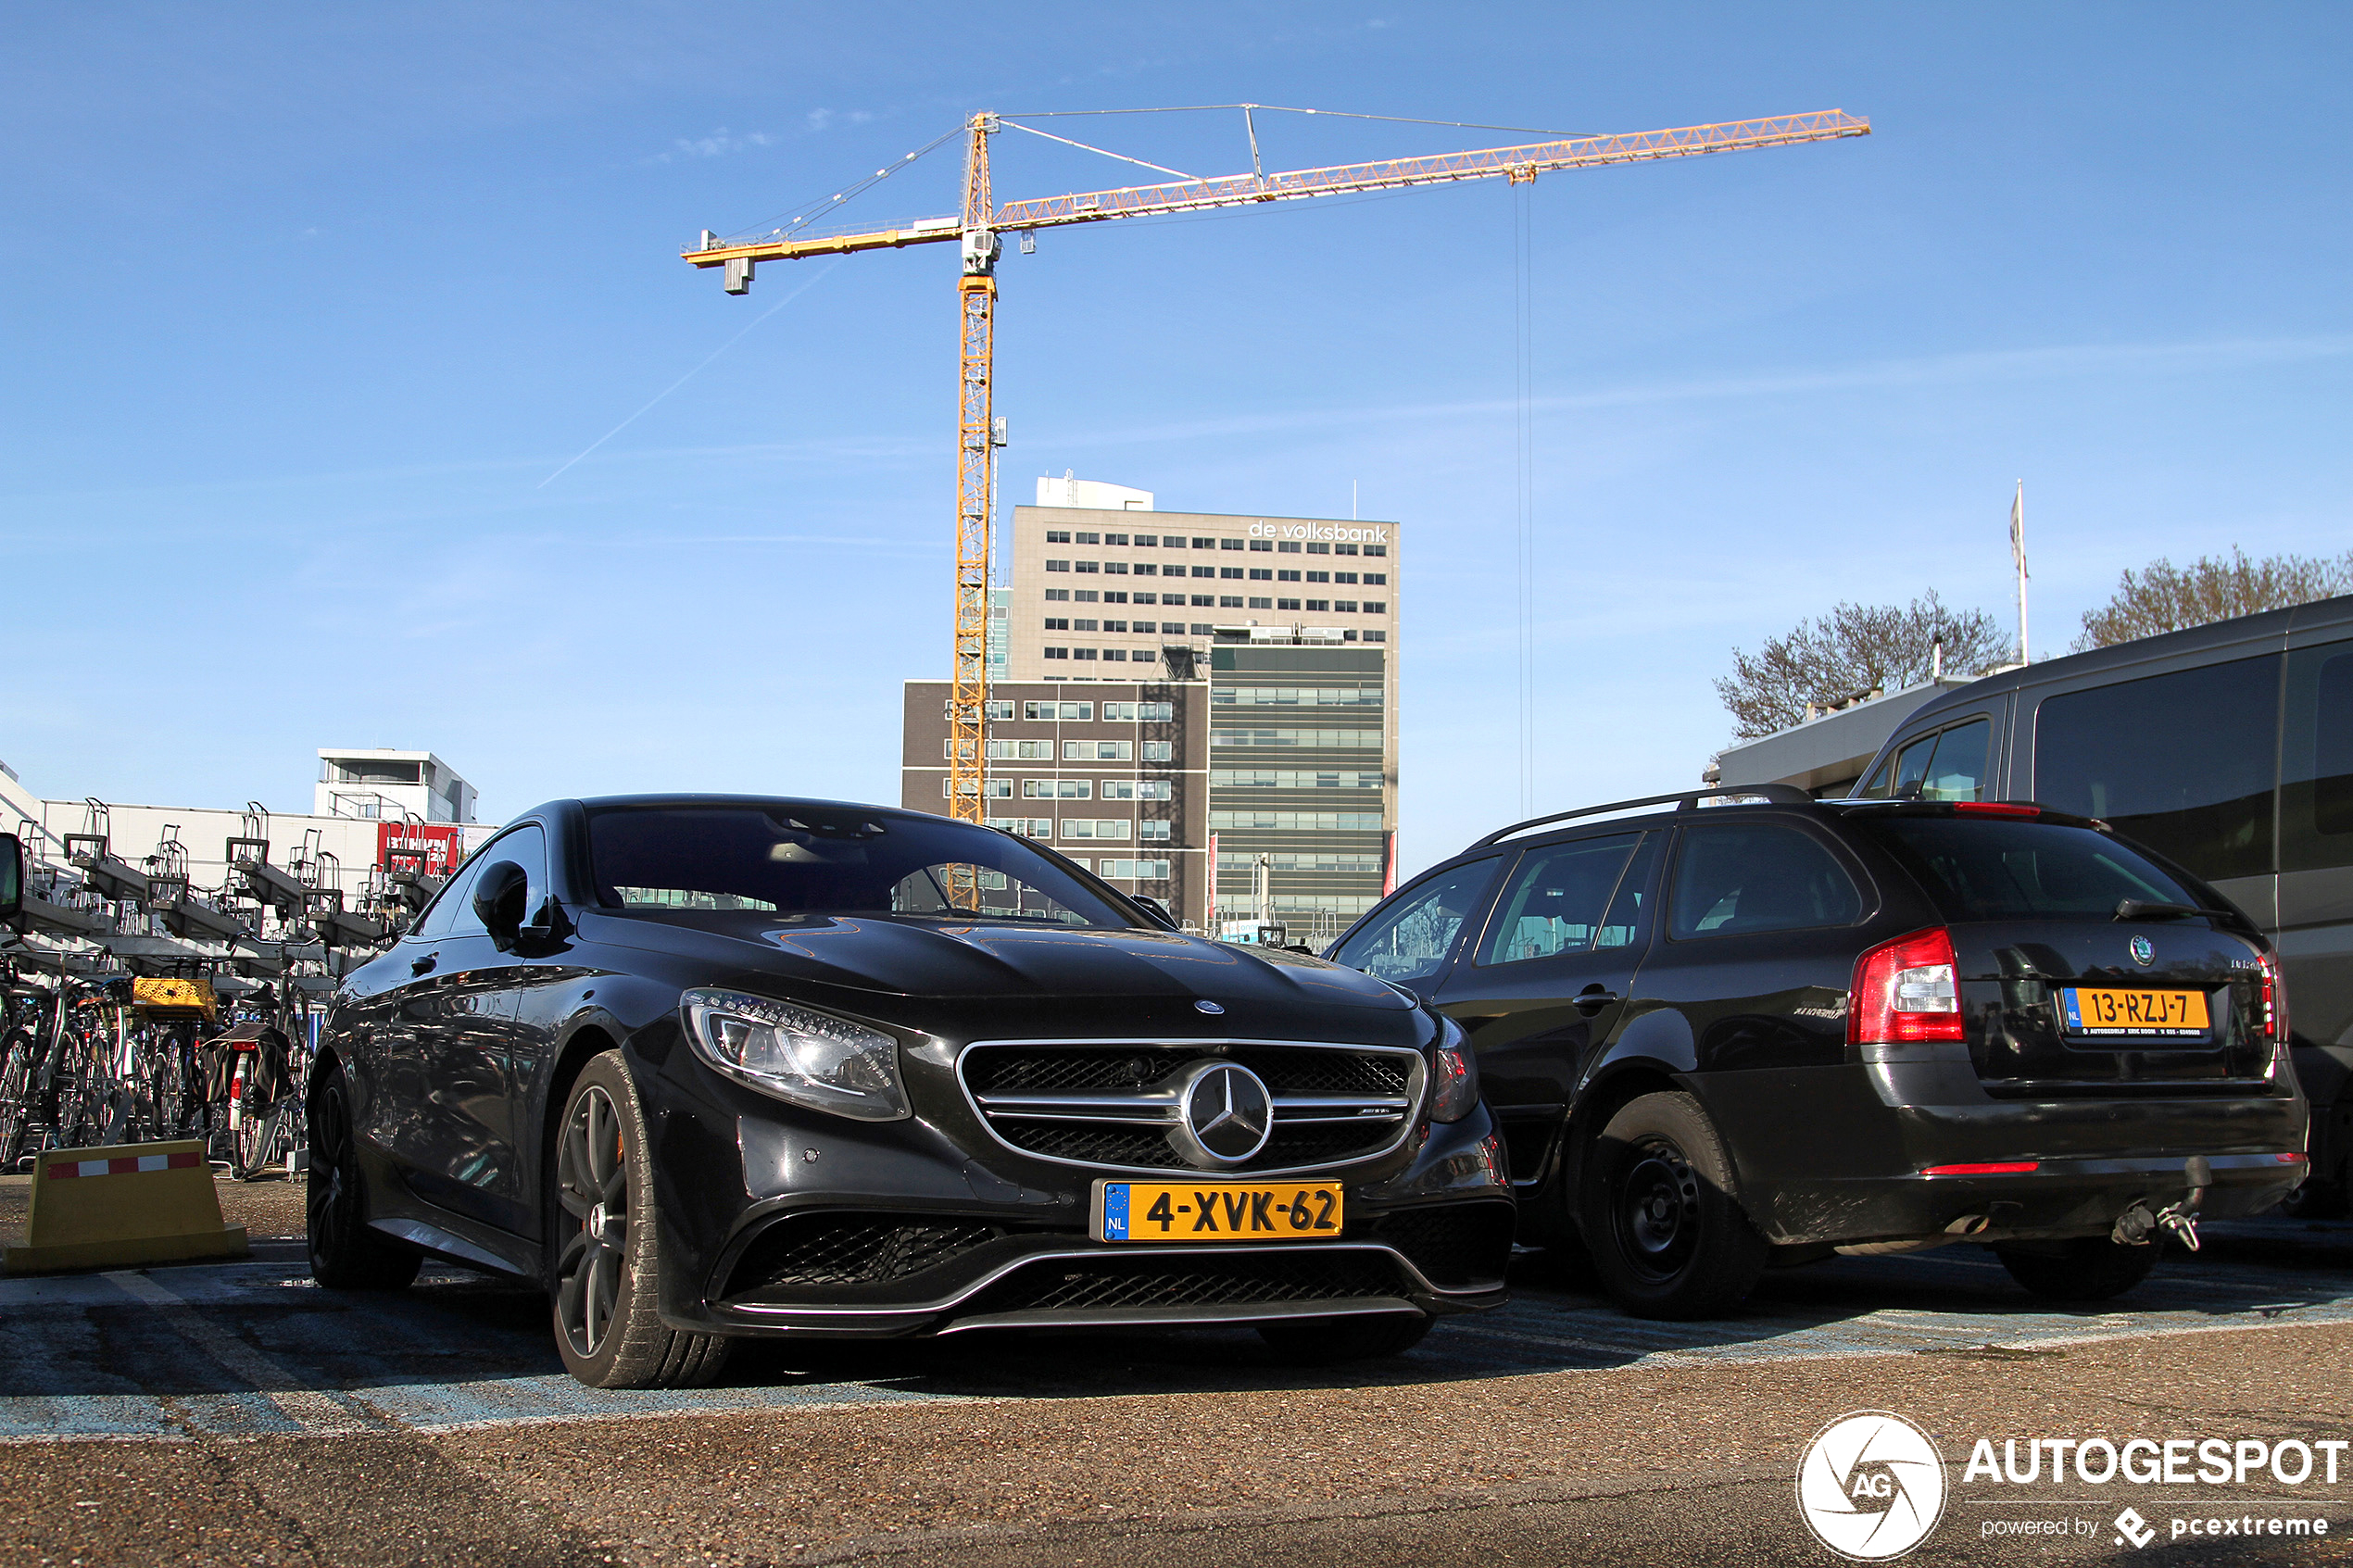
306 304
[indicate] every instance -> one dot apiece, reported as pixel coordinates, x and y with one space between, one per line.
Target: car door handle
1595 997
425 965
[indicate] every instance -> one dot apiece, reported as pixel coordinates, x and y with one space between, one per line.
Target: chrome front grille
1113 1103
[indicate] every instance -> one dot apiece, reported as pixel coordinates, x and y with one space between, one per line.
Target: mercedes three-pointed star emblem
1223 1115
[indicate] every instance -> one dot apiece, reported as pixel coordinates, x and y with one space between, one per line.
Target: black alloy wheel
1329 1341
607 1321
345 1254
1667 1236
2089 1268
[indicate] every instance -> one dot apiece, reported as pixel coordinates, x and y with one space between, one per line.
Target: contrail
693 374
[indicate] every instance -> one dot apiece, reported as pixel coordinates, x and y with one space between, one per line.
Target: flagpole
2018 559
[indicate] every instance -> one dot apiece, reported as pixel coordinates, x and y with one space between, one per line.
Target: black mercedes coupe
714 1066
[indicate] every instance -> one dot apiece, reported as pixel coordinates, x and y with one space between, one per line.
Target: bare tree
2164 597
1854 650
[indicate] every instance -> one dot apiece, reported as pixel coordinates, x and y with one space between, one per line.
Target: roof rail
1786 795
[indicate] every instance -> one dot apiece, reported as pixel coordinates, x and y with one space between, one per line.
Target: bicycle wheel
257 1131
16 1100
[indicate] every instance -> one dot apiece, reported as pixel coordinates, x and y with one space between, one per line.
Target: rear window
798 861
1976 868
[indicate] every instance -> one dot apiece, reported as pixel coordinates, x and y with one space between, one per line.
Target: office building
1268 646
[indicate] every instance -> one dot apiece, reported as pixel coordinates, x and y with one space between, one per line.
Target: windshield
800 860
1976 868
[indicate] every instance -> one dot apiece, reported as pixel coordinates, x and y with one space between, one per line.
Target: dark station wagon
1719 1038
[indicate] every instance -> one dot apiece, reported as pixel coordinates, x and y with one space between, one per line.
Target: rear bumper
2058 1199
1839 1154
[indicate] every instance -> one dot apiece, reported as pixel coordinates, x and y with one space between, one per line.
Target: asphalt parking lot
237 1413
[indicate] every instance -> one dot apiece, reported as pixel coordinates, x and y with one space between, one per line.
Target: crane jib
1140 201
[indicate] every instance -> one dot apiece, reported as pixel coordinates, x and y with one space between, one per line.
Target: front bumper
782 1221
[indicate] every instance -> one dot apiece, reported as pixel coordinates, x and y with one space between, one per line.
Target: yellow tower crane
978 227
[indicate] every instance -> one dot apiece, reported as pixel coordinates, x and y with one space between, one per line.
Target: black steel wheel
345 1254
2089 1268
1329 1341
608 1322
1667 1236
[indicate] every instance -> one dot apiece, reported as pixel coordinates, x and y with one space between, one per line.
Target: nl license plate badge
1223 1211
2165 1014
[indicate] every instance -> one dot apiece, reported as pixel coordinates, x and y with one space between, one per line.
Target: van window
1742 877
1556 899
2316 786
1410 938
2184 763
1947 765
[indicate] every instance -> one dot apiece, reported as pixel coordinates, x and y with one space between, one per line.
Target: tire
15 1101
1328 1341
2316 1199
345 1254
1667 1238
2090 1268
607 1320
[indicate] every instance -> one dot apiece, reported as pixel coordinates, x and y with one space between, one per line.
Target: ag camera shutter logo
1872 1486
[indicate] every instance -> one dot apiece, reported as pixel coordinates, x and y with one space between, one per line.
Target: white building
380 785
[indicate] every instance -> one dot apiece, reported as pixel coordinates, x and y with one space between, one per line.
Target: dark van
2228 749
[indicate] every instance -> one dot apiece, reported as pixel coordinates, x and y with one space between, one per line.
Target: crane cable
1524 472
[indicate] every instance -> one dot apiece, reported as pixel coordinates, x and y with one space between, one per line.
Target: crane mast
975 487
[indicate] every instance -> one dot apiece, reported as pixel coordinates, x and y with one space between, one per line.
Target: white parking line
317 1413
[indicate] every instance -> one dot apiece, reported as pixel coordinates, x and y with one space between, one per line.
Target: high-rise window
999 789
1028 827
1000 708
1229 601
1263 545
1133 871
1094 566
1319 577
1206 601
1319 549
1085 597
1344 577
1058 536
1146 541
1082 653
1118 568
1061 594
1146 599
1158 833
1067 713
1319 606
1160 751
1114 598
1261 604
1118 654
1376 549
1090 538
1057 566
1199 544
1261 574
1376 607
1376 636
1147 569
1114 538
1099 751
1057 624
1082 624
1343 550
1055 653
1280 576
1286 604
1229 544
1097 827
1288 546
1344 606
1057 789
1377 579
1114 626
1296 821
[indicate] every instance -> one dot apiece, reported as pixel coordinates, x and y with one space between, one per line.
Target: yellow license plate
1217 1212
2166 1013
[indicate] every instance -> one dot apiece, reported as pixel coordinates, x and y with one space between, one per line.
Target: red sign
443 845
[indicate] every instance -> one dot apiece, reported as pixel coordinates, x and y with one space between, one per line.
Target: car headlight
1457 1092
808 1057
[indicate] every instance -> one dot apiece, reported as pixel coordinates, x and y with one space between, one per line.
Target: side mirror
499 897
1154 908
11 875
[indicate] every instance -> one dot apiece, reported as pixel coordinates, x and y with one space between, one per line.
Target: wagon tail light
1905 990
2274 1001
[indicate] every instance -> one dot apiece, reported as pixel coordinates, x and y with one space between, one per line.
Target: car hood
924 957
